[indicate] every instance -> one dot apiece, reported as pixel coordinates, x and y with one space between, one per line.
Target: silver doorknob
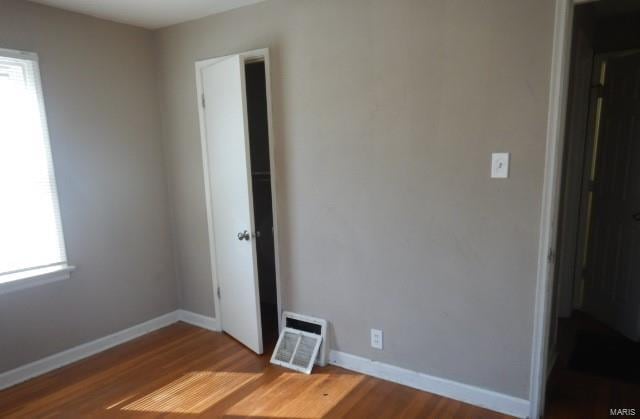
244 236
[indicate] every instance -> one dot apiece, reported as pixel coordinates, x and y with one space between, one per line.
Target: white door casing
556 119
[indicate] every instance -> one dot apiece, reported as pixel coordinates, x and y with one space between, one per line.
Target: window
31 239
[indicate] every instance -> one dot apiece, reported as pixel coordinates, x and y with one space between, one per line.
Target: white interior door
612 289
231 203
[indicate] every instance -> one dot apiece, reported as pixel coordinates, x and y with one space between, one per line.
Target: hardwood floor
183 372
583 395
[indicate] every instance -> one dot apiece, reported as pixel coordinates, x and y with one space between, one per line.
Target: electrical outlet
376 339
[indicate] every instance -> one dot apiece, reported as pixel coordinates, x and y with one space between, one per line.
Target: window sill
35 277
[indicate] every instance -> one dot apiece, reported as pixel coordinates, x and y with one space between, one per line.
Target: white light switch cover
499 165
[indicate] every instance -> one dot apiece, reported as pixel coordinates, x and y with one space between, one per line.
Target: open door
228 170
612 286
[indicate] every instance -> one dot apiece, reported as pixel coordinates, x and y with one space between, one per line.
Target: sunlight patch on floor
192 393
294 395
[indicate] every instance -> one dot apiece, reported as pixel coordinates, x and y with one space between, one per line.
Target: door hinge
551 256
598 89
218 290
204 102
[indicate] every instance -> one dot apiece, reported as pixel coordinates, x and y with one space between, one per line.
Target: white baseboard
50 363
199 320
458 391
469 394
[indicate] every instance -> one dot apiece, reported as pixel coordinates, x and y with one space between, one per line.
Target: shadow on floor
593 372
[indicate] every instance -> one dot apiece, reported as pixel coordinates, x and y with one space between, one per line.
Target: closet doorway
235 125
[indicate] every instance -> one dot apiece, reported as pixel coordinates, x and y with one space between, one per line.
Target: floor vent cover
298 349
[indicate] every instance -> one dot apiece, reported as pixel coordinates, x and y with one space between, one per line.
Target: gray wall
100 87
385 115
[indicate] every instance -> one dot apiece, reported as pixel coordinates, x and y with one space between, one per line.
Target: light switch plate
499 165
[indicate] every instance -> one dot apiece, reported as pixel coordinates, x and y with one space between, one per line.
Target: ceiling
150 14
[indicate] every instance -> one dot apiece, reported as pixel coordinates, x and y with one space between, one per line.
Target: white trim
50 363
198 320
55 361
274 177
550 201
477 396
19 54
252 221
44 120
458 391
49 151
259 54
34 277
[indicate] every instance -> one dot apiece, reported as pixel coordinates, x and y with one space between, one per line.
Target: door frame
254 55
556 122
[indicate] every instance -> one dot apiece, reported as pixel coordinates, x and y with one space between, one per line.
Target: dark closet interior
256 88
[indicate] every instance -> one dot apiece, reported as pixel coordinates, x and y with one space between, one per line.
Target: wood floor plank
184 372
577 394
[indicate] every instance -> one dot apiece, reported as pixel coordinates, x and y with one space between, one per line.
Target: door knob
244 236
636 216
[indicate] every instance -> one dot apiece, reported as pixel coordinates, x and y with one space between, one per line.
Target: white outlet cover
499 165
376 339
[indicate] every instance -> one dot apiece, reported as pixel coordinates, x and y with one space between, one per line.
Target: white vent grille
296 350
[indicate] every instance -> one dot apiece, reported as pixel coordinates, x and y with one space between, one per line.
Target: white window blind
31 235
